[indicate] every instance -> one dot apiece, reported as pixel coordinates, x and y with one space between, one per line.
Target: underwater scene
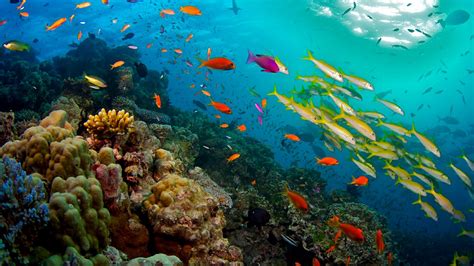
237 132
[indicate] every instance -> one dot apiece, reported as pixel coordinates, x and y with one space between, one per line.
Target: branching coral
23 208
108 124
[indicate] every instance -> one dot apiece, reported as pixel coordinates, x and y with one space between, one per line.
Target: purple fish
266 62
260 121
259 108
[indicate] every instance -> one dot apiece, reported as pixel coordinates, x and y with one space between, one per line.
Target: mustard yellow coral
107 124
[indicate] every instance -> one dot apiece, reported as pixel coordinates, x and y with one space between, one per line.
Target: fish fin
251 57
309 57
203 62
413 129
212 101
398 180
463 232
340 115
379 122
417 201
274 92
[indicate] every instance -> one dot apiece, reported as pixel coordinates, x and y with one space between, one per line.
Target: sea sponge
57 118
106 156
77 215
108 124
187 223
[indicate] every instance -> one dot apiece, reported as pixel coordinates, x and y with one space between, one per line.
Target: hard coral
187 222
108 124
78 217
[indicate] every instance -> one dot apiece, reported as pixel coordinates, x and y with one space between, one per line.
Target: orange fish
168 12
72 17
117 64
233 157
83 5
148 46
190 10
242 128
297 263
209 51
253 182
298 201
217 116
208 94
379 241
224 125
3 22
389 258
360 181
331 249
264 103
348 260
316 262
178 51
327 161
337 236
164 50
190 36
292 137
21 5
56 24
125 27
220 63
157 100
24 14
221 107
105 2
79 35
192 86
349 230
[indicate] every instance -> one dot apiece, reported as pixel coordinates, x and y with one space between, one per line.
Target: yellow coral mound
108 124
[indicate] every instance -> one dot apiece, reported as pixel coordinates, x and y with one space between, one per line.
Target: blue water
287 29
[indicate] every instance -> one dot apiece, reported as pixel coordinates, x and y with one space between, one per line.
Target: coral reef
24 212
107 124
157 259
211 187
78 217
7 129
187 222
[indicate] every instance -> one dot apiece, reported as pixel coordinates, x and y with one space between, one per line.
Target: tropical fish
221 107
325 68
341 104
389 258
117 64
234 7
315 262
463 176
392 106
190 10
331 249
264 103
428 144
233 157
259 108
24 14
427 208
327 161
219 63
360 181
337 236
468 161
359 82
412 186
395 128
267 63
459 216
379 241
16 46
463 260
168 12
282 68
442 201
208 94
105 2
20 6
242 128
157 100
400 172
437 174
190 36
366 167
95 82
341 132
464 232
224 125
3 22
349 230
56 24
298 201
79 35
292 137
83 5
358 125
125 27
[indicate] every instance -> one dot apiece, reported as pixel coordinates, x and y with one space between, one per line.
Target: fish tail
251 57
274 92
417 201
413 129
463 232
212 102
203 62
309 57
339 116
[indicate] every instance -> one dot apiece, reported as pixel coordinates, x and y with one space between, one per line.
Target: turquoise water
287 29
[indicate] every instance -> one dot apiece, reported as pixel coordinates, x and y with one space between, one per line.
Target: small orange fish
298 201
327 161
337 236
178 51
21 5
190 36
79 35
125 27
316 262
164 50
148 46
331 249
217 116
348 260
349 230
208 94
219 63
105 2
190 10
83 5
233 157
292 137
24 14
209 51
168 12
221 107
242 128
56 24
192 86
253 182
117 64
360 181
72 17
379 241
389 258
157 100
224 125
264 103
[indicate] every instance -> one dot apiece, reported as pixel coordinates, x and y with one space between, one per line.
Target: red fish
221 107
337 236
360 181
298 201
379 241
348 260
327 161
316 262
349 230
157 100
219 63
389 258
331 249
